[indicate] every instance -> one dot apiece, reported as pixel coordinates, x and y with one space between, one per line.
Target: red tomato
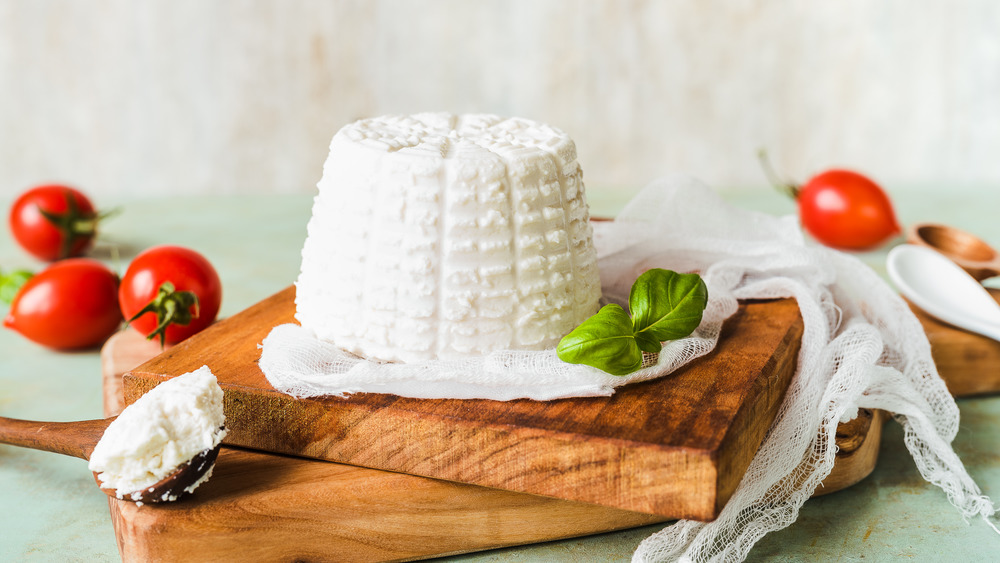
71 304
170 292
846 210
53 222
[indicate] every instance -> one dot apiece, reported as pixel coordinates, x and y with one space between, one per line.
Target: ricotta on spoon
163 430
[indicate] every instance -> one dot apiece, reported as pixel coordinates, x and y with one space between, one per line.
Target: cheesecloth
861 348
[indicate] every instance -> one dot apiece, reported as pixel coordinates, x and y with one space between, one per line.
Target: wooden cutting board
292 509
265 507
675 447
268 507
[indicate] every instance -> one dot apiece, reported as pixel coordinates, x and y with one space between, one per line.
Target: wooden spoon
78 439
965 249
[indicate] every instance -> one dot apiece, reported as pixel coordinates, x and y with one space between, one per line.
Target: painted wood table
53 511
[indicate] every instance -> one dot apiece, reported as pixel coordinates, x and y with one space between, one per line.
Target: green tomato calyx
170 307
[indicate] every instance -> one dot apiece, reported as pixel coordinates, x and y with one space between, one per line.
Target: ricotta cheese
163 429
440 236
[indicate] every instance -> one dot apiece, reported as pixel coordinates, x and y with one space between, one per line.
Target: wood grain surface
676 447
122 352
269 507
337 511
969 363
292 508
857 443
76 439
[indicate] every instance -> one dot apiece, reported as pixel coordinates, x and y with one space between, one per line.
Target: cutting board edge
140 382
652 462
733 466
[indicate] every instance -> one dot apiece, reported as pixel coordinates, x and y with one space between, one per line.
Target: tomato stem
74 224
171 307
789 188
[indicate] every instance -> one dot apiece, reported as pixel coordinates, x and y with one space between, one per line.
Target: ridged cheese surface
444 236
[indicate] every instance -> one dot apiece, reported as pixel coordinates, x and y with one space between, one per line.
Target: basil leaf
667 305
11 282
603 341
647 342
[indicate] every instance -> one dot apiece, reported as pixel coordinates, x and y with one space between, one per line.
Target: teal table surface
52 511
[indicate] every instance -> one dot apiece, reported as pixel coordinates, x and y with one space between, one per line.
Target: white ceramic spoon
944 290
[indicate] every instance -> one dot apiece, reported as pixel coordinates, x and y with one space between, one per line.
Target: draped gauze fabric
861 348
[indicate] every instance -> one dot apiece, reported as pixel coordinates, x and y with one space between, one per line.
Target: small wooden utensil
965 249
78 439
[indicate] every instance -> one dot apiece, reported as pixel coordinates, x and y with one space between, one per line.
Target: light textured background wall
235 95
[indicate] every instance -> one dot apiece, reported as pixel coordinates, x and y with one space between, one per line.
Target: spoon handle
75 439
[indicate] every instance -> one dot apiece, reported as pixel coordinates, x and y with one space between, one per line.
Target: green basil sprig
665 306
11 282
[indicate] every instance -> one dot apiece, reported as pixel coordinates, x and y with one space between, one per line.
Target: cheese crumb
162 430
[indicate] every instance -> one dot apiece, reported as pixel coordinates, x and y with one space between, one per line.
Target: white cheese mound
163 429
440 236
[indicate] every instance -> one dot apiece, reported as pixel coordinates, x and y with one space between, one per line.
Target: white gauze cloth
861 348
